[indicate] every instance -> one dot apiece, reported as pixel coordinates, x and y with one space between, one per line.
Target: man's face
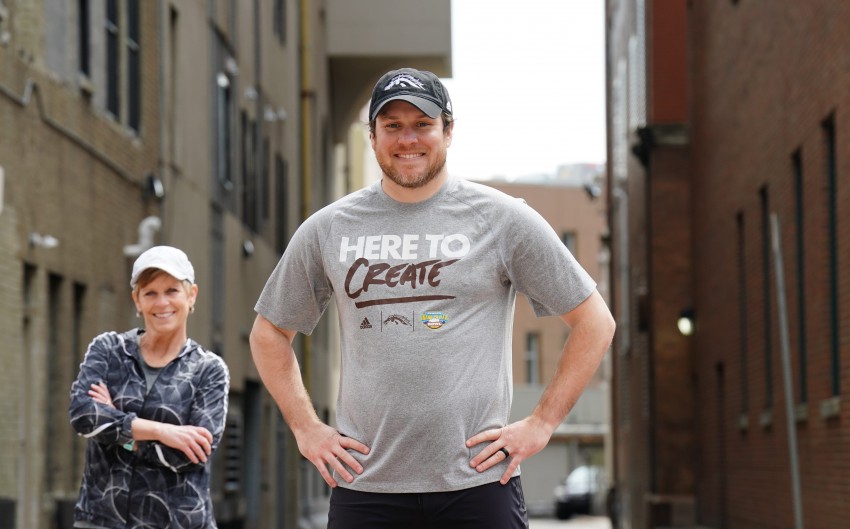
410 146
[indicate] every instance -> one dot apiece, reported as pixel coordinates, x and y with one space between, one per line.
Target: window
133 47
279 21
742 313
569 239
766 301
112 59
174 81
797 163
224 109
832 242
254 183
248 173
55 414
281 212
532 358
233 452
123 62
263 184
78 337
78 348
4 16
84 39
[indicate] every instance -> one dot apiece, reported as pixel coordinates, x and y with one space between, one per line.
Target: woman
152 404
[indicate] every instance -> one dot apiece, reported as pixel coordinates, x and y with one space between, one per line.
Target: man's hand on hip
517 441
324 446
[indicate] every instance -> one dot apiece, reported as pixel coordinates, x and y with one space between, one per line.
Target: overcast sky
528 86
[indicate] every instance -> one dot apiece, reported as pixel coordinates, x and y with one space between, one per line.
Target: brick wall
765 77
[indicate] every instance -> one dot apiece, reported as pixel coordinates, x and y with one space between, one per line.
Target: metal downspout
307 95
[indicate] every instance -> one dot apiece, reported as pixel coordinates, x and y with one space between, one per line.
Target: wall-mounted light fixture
686 322
247 248
154 186
43 241
231 66
251 93
271 115
593 190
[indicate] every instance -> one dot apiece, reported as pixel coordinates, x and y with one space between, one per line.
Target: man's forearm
278 367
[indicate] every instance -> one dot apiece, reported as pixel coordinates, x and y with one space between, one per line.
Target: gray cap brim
431 109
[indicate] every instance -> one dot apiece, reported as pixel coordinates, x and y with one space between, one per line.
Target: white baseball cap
166 258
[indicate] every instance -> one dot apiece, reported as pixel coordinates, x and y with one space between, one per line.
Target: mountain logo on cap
406 80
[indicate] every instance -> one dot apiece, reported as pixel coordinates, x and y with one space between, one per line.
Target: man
424 270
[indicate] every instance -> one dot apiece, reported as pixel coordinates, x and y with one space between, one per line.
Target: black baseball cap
418 87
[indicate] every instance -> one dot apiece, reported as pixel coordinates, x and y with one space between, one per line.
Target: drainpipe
147 228
306 115
259 122
307 110
163 160
776 248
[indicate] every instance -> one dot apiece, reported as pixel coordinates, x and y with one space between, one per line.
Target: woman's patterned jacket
153 485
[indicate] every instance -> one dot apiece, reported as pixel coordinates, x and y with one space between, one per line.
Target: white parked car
578 492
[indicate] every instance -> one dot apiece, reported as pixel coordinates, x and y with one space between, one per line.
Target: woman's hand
100 393
194 441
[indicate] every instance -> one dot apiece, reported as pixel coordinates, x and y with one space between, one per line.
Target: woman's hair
150 274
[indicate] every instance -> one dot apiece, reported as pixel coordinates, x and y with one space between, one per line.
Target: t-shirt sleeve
298 291
539 264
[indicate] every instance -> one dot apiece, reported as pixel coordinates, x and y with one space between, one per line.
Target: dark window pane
83 50
133 20
767 293
134 90
281 203
134 80
113 101
832 238
797 162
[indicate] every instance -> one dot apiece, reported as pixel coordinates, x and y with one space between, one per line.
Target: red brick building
721 115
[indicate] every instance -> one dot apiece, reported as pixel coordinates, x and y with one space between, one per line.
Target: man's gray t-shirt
425 294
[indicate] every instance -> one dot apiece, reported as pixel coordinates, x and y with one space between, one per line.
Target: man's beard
415 181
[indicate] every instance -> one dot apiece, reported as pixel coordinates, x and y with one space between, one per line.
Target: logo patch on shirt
365 324
397 319
434 319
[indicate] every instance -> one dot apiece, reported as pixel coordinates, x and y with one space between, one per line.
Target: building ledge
830 408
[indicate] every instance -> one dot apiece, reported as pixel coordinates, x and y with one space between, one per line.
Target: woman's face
164 303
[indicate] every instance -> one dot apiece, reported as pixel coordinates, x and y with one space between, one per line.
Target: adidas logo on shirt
365 324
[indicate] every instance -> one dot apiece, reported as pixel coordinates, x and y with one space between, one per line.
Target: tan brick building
578 216
214 126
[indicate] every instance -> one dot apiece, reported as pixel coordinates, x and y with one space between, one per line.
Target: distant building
579 219
574 174
724 116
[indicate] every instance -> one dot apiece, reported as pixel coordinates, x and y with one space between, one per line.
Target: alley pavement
577 522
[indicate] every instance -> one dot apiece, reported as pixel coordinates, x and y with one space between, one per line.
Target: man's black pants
490 506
